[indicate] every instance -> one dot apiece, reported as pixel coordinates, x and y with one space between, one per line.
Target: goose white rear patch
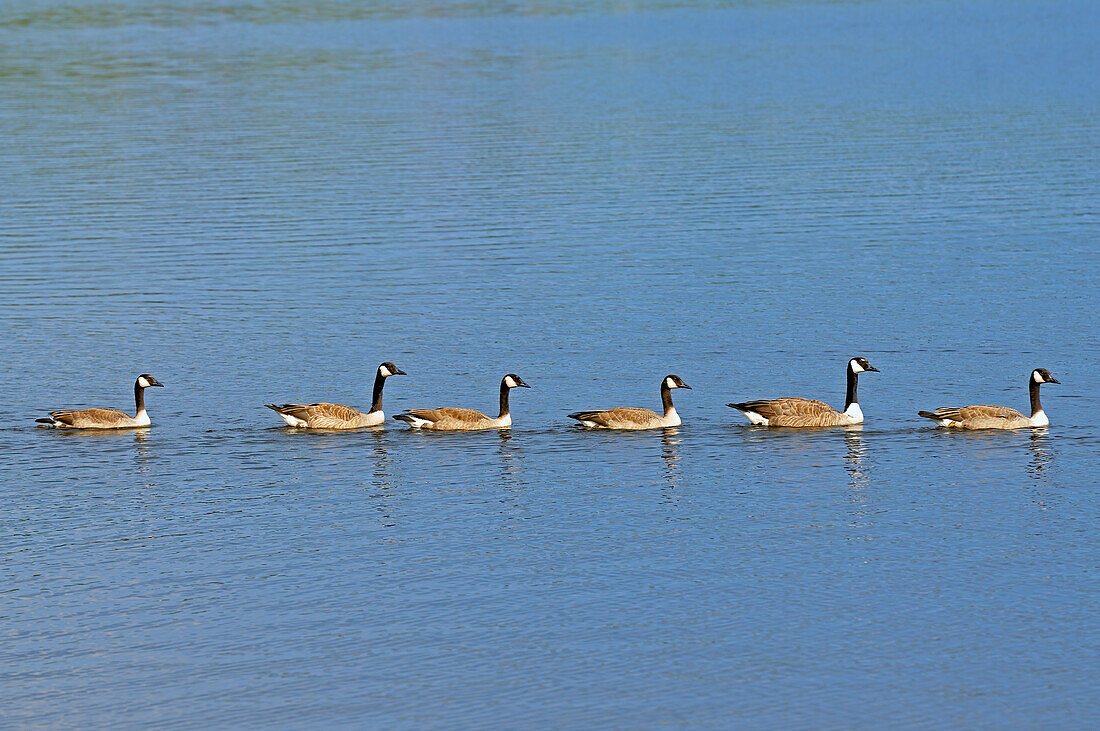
291 420
755 418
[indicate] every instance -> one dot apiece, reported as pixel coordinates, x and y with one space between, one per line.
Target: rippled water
261 201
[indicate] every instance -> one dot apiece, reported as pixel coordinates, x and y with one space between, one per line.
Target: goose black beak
872 368
157 383
684 385
400 372
1052 379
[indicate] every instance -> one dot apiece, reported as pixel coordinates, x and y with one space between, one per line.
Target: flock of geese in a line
780 412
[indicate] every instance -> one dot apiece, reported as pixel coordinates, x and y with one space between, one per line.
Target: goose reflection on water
670 453
858 477
1041 458
509 458
384 493
138 433
860 498
139 436
143 455
985 443
381 472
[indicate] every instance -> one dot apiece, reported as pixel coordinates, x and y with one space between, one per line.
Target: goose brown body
996 417
792 411
801 413
624 417
95 419
627 417
99 418
457 419
979 417
324 415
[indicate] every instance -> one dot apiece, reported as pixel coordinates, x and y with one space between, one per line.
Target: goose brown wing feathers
91 417
982 411
794 411
321 415
298 411
620 418
980 417
456 414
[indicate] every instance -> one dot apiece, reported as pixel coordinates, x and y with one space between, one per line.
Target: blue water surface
261 201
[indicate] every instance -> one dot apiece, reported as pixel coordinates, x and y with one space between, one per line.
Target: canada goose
633 418
451 419
105 418
996 417
804 412
337 416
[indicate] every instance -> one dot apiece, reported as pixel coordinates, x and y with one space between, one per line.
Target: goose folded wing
794 411
333 411
623 416
435 415
972 413
90 417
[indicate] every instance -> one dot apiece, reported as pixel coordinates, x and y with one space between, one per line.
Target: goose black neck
504 399
666 397
139 397
1033 388
379 382
852 383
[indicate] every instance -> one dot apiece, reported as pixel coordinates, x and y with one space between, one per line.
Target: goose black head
1042 375
388 369
145 381
513 381
859 364
672 381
